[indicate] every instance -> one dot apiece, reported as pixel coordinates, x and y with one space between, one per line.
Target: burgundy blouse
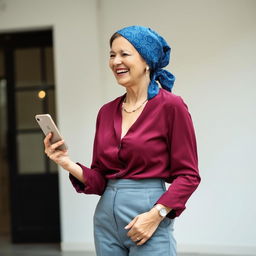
160 144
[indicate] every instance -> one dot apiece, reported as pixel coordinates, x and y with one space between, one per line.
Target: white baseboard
87 247
182 248
217 249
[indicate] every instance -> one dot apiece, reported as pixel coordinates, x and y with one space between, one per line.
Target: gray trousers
122 200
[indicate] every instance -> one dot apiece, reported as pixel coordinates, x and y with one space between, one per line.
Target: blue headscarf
155 51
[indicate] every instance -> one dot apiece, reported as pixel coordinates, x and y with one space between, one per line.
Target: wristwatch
161 210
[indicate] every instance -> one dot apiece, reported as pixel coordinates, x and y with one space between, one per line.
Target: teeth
121 71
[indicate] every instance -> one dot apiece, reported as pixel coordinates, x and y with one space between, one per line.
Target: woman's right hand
60 157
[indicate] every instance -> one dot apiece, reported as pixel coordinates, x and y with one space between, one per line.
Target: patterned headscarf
155 51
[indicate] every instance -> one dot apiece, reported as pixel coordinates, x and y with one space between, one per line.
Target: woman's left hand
143 226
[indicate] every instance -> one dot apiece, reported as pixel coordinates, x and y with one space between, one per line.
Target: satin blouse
161 143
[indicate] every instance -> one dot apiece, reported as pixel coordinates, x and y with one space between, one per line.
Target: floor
8 249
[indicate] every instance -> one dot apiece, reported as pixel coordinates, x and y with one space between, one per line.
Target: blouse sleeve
95 180
184 173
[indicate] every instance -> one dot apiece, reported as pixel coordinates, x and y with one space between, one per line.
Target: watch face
163 212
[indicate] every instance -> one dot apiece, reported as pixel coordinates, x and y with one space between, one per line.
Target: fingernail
126 227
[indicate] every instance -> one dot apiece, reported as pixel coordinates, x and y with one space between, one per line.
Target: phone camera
38 119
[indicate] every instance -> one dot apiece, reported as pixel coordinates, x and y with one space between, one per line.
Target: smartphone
47 125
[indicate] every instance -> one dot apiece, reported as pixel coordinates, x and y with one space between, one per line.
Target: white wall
78 93
213 59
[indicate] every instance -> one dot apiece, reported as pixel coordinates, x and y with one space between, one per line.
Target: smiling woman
143 139
127 64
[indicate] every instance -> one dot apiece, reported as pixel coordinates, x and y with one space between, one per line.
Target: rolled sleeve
95 181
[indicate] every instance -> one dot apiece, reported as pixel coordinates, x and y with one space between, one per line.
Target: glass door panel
34 93
53 167
27 67
30 154
28 104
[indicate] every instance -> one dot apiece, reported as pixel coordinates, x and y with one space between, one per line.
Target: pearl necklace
129 112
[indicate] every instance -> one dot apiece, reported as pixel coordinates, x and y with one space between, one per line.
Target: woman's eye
123 54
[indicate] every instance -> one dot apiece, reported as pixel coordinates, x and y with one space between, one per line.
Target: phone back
47 125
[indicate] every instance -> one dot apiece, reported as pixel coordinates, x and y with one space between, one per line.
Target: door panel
27 67
41 223
27 106
30 161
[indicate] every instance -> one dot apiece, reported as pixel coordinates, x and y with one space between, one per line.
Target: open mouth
121 71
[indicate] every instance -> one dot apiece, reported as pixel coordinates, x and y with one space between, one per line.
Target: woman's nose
117 60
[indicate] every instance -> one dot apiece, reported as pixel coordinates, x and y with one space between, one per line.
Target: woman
143 139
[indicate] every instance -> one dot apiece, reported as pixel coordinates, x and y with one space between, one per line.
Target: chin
123 83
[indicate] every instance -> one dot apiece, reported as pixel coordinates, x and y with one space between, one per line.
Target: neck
136 94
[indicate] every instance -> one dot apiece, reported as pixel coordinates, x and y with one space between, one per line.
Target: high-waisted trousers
122 201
